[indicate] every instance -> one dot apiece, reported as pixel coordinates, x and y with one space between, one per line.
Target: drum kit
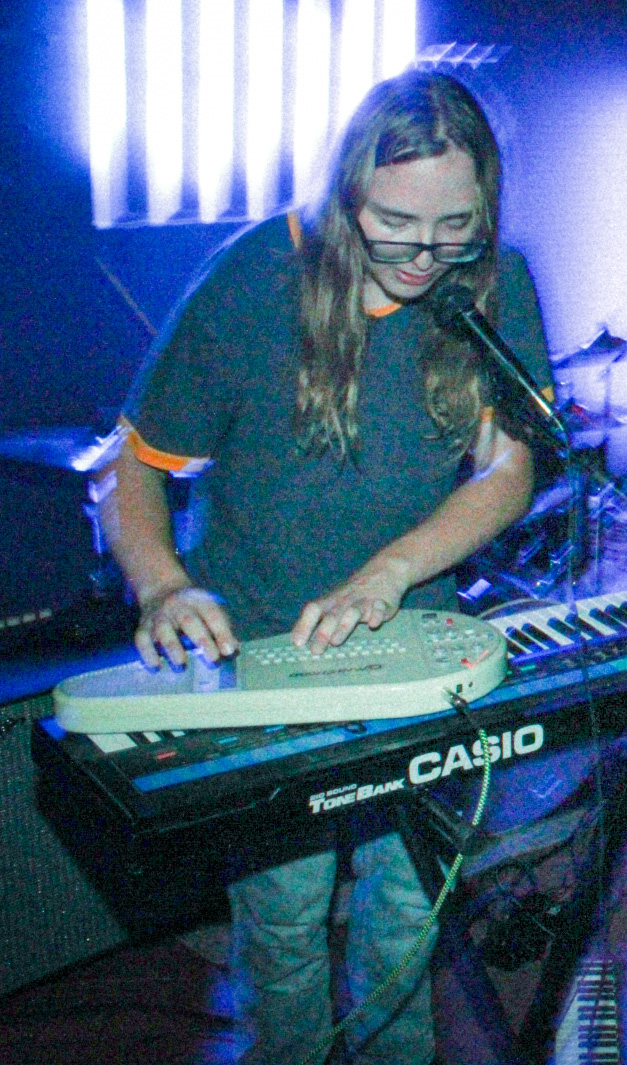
560 536
591 385
87 623
71 448
578 520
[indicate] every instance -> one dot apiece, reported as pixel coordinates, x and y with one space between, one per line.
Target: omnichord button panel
415 645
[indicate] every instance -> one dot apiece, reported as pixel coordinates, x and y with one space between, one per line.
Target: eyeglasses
392 251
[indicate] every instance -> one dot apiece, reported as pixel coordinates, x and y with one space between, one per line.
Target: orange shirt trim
296 230
161 460
382 312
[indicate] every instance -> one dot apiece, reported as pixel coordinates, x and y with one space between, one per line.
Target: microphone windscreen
450 301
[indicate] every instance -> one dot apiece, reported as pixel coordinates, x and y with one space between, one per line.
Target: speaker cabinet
51 915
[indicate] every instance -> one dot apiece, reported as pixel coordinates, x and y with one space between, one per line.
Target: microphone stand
507 370
515 391
538 422
526 411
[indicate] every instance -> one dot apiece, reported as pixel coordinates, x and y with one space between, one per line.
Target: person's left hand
372 595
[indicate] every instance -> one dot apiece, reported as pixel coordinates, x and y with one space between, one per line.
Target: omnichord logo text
342 669
435 765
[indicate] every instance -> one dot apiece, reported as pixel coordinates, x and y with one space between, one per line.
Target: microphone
453 307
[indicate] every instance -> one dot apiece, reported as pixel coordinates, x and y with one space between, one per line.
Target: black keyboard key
620 616
564 628
539 635
150 736
523 641
583 626
606 619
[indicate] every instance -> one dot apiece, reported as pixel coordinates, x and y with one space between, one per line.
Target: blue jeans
281 961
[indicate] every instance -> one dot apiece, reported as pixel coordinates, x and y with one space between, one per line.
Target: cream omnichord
408 667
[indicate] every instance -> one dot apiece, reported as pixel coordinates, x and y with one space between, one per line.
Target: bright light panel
398 36
265 99
357 55
164 109
240 94
215 107
311 108
107 108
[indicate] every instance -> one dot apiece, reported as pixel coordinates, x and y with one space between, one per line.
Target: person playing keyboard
304 374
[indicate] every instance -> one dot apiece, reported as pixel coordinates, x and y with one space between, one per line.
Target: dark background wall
69 344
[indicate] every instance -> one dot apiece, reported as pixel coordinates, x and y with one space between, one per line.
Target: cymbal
75 448
603 344
579 419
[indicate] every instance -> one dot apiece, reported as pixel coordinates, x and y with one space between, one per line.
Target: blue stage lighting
357 55
397 36
311 99
218 107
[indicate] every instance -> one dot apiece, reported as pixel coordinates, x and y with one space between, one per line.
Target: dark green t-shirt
221 383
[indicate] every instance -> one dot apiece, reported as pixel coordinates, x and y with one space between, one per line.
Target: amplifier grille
51 915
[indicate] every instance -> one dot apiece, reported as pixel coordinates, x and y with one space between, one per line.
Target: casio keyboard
149 780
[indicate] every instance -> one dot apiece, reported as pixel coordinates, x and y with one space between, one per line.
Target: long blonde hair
413 116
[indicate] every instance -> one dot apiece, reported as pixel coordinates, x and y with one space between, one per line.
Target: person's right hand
187 611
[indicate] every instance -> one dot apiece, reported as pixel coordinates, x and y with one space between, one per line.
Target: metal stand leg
465 1001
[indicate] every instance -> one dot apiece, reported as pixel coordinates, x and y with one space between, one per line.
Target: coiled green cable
430 920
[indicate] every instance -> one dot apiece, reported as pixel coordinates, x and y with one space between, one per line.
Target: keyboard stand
465 996
423 855
456 962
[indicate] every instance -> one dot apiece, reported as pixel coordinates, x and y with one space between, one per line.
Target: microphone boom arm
550 423
454 307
